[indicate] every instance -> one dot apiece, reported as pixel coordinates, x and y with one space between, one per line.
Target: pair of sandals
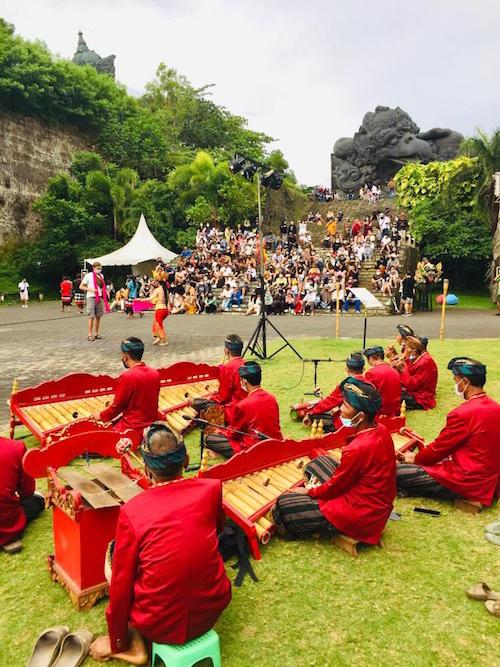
492 533
58 647
483 593
95 337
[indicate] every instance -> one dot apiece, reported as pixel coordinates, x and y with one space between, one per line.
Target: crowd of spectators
221 273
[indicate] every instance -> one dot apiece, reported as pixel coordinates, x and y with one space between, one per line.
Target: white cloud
304 73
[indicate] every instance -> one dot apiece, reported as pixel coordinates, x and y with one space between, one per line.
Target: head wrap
376 349
404 330
361 395
251 371
424 340
466 367
233 345
133 345
355 361
160 462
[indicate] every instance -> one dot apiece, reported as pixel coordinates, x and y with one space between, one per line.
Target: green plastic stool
188 654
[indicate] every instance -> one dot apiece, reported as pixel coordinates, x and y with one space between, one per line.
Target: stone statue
84 56
386 140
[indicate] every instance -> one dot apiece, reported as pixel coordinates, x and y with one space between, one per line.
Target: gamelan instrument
252 480
63 407
86 500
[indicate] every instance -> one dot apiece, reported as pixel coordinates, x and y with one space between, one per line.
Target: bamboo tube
238 504
173 425
178 419
55 414
256 495
81 411
293 470
279 480
265 523
337 310
265 482
260 488
256 505
263 535
64 412
290 477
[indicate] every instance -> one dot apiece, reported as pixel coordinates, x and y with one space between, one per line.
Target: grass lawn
473 300
314 604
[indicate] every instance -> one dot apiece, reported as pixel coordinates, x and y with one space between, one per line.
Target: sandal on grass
482 592
74 649
494 539
493 606
493 528
47 646
13 547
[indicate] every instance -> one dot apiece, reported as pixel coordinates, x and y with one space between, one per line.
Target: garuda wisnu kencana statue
386 140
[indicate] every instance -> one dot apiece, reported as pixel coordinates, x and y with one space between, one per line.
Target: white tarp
367 298
142 247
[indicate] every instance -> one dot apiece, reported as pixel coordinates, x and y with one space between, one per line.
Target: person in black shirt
408 293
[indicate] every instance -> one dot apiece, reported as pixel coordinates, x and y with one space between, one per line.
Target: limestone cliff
30 153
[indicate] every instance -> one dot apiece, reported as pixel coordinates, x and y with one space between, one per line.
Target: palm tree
487 151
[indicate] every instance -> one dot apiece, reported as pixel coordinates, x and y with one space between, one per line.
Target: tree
486 150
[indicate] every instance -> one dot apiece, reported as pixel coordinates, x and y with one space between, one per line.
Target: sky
304 72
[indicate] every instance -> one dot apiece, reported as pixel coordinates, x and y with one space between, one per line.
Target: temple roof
85 56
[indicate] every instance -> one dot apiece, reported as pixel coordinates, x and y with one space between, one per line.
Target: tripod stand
257 343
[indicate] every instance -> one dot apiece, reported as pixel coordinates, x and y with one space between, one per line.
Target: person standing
97 299
159 298
24 293
66 289
407 294
78 295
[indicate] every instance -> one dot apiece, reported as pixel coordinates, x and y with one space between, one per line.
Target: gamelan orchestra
154 540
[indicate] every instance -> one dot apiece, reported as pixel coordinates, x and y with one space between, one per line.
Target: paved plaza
40 343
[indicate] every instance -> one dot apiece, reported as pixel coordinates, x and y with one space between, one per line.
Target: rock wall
30 153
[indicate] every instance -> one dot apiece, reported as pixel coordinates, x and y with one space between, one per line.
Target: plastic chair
188 654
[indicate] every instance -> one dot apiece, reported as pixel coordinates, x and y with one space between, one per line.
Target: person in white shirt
23 292
95 292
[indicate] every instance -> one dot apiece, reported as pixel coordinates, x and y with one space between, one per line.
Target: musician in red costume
137 391
256 417
418 374
168 582
386 379
354 497
327 408
403 332
464 460
230 391
19 502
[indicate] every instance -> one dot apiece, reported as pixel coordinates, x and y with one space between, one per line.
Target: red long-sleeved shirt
168 579
257 411
14 485
136 398
465 457
358 499
419 378
230 392
386 379
331 401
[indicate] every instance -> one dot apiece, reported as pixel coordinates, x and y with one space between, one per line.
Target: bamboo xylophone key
270 478
265 482
240 493
238 504
261 489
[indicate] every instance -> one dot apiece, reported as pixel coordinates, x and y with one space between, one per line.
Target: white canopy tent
142 247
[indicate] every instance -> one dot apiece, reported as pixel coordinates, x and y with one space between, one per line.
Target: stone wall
30 153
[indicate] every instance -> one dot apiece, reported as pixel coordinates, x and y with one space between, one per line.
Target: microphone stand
203 423
316 362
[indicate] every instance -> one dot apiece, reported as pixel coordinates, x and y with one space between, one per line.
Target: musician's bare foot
136 654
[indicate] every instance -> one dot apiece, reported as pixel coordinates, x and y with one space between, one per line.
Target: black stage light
249 170
272 179
237 163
